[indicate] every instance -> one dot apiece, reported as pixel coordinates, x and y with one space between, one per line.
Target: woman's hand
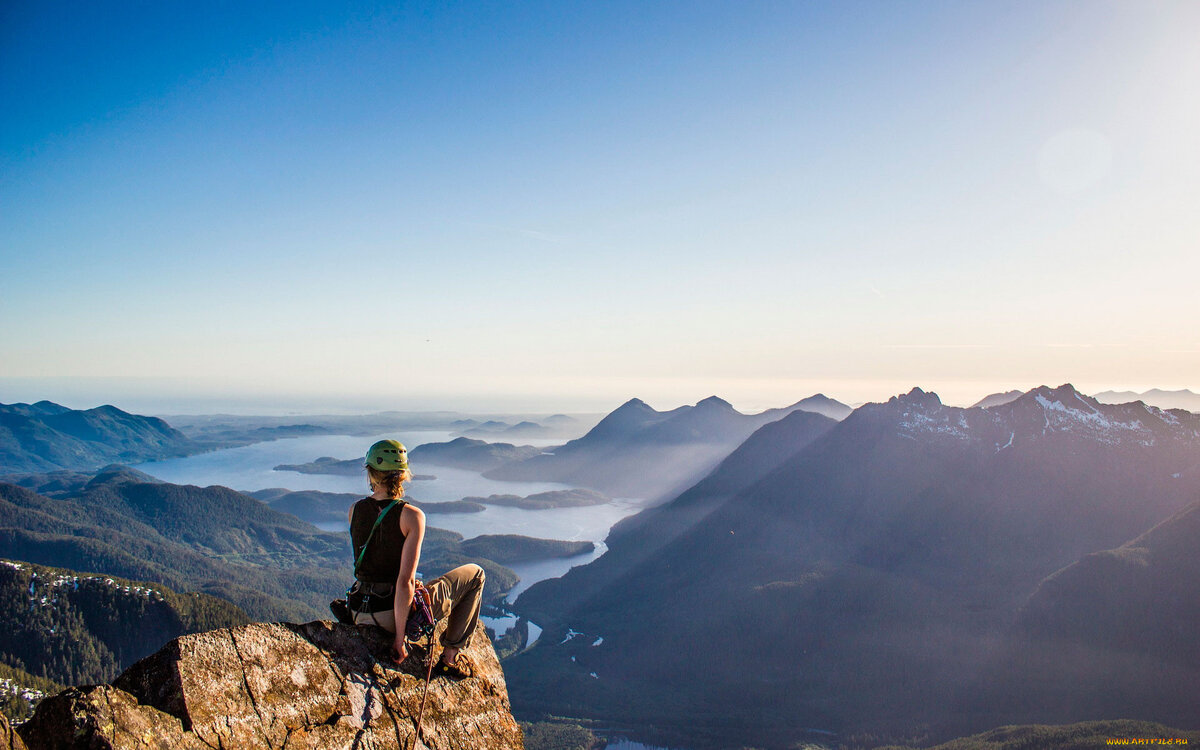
399 647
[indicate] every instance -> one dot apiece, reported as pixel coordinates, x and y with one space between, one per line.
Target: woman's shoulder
411 516
413 511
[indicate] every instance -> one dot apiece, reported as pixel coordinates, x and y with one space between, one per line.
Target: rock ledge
281 685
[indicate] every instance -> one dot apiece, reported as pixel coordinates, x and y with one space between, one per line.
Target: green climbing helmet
388 455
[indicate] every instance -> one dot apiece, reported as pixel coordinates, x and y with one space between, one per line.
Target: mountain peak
1066 389
108 410
49 407
626 419
1066 395
715 402
917 398
821 404
1045 410
117 473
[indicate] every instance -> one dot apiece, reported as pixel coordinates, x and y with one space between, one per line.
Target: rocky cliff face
9 740
280 685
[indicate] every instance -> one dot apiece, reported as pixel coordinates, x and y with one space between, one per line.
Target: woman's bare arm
412 524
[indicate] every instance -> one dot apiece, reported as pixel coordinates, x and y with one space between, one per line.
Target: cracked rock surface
9 739
281 685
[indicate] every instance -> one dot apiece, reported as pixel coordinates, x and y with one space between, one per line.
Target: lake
251 467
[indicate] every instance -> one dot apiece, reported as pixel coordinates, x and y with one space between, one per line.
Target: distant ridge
998 399
46 436
1181 399
820 404
639 452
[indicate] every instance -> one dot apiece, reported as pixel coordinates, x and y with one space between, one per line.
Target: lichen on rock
281 685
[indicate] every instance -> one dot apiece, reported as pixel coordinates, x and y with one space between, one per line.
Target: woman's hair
391 481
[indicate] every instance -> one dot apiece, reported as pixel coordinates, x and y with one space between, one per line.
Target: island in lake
349 467
473 455
574 498
512 548
317 507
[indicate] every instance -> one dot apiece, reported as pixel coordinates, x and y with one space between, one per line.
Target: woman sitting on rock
386 572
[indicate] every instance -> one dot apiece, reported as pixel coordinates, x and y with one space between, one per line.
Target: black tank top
381 564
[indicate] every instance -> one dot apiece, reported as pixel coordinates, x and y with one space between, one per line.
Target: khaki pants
456 595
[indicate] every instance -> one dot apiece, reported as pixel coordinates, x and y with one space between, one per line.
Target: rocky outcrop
9 740
280 685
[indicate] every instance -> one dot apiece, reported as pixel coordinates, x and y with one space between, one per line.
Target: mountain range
523 429
877 575
639 452
1181 399
46 436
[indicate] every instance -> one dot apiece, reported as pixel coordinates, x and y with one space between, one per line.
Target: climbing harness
358 596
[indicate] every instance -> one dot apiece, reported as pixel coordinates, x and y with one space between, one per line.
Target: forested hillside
20 692
208 539
46 436
75 628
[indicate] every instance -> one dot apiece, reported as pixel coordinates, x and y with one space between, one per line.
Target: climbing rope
425 691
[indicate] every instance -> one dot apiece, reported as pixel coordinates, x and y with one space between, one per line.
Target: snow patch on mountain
1040 412
1104 429
1162 414
14 689
943 423
1011 436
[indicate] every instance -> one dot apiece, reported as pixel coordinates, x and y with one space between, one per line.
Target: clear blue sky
562 205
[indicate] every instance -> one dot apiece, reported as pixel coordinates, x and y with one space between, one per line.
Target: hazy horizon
553 207
160 398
